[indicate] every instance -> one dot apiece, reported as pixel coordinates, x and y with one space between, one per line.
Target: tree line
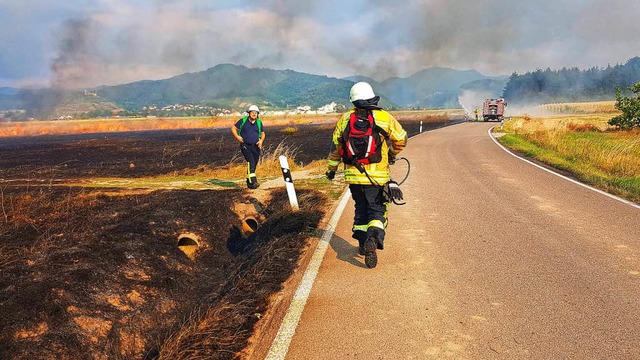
572 84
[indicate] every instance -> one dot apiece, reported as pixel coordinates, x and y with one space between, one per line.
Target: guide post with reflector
288 181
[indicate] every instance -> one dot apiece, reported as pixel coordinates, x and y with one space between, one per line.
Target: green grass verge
160 182
626 187
333 189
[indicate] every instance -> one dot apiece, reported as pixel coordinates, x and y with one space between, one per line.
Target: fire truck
493 109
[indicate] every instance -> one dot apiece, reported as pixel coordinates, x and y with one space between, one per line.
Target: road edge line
624 201
280 345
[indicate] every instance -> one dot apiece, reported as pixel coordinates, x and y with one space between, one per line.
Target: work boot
369 249
254 182
361 236
377 234
360 247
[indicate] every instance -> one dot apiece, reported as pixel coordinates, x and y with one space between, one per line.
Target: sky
86 43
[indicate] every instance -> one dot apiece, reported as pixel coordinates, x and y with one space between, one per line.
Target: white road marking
562 176
280 345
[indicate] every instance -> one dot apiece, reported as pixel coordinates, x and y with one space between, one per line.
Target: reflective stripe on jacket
378 172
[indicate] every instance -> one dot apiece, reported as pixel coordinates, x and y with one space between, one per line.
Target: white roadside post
288 181
420 126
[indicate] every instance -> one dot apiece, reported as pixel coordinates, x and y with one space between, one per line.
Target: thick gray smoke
115 41
74 67
78 59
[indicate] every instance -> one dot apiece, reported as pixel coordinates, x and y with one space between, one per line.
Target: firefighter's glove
330 174
395 194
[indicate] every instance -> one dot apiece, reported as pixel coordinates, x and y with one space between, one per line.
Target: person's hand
394 190
240 139
330 174
260 144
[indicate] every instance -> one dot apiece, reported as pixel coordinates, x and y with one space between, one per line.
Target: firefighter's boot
375 240
254 182
361 236
377 234
369 249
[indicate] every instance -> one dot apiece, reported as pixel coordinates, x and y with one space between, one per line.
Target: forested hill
571 85
228 86
231 87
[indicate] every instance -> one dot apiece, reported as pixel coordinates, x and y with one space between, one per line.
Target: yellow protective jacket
378 172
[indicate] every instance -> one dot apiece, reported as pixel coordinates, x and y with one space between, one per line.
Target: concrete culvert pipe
188 243
249 225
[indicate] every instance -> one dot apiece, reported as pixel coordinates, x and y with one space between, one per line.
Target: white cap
361 91
253 108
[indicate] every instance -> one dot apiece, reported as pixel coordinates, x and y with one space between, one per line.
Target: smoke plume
110 42
78 60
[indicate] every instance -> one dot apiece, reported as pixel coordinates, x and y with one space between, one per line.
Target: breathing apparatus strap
391 195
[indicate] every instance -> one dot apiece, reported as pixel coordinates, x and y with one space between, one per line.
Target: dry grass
599 107
614 153
527 124
290 130
220 328
269 164
298 119
31 128
74 126
583 138
583 144
428 115
30 213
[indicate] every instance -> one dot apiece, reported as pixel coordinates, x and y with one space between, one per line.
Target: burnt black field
98 271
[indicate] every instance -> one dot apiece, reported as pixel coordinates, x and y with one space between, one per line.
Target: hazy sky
95 42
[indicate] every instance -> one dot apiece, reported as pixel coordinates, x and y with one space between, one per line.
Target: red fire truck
493 109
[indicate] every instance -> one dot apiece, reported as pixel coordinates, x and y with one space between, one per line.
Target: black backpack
362 140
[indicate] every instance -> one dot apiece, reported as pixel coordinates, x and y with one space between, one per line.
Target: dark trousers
251 153
370 218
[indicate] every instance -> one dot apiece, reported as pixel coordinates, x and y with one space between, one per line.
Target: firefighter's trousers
371 206
251 153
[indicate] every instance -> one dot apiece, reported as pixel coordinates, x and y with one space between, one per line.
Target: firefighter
368 176
476 112
250 134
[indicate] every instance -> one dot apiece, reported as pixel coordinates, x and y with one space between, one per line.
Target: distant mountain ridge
231 86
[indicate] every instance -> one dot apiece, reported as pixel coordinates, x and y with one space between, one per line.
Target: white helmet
253 108
361 91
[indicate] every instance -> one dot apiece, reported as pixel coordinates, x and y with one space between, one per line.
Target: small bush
630 108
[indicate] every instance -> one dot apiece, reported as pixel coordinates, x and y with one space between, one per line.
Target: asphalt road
491 258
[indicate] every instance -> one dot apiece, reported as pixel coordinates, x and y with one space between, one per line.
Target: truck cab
493 109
